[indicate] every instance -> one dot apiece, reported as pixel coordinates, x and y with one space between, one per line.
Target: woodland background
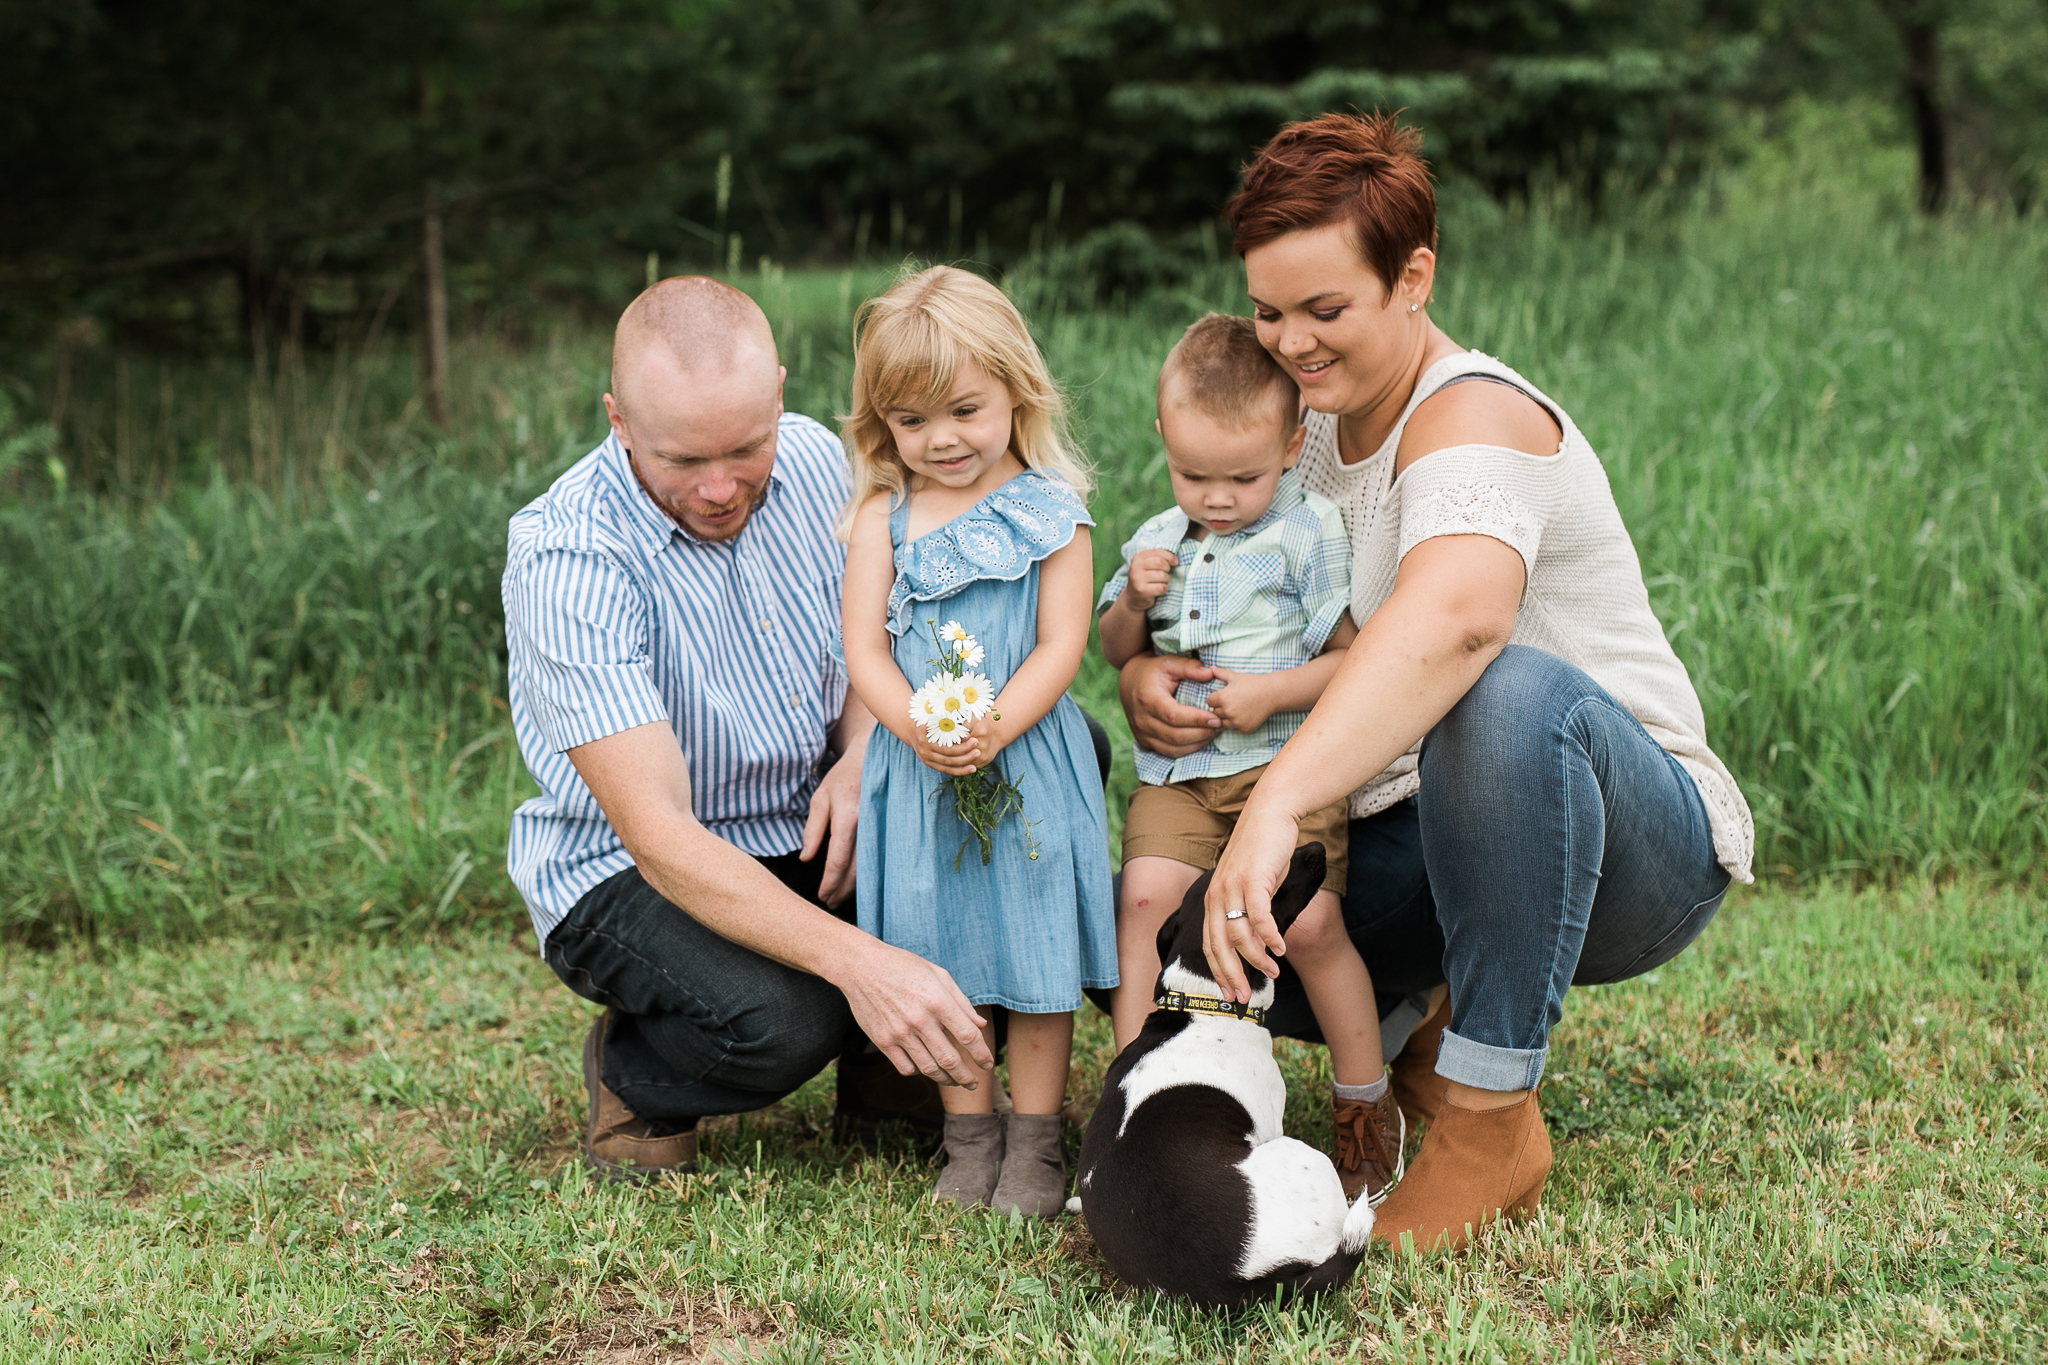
227 174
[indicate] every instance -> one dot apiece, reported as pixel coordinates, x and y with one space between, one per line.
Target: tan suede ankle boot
1417 1087
974 1158
1474 1165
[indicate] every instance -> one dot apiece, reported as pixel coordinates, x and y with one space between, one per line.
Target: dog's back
1186 1182
1167 1197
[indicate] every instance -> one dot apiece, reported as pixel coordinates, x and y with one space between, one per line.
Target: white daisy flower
924 703
953 631
948 697
969 651
977 695
946 730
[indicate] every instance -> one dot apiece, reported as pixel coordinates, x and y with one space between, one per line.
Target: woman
1534 803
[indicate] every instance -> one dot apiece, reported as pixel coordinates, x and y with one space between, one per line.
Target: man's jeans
1553 844
702 1025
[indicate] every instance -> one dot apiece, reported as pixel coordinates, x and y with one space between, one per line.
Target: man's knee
785 1039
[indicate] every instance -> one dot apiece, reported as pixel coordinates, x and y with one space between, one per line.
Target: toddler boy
1252 574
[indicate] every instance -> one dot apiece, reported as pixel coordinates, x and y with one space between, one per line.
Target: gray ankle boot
1034 1179
974 1157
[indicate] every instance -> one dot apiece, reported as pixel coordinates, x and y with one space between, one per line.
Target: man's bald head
696 399
692 328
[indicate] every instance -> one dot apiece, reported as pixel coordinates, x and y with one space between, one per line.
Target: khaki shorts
1190 822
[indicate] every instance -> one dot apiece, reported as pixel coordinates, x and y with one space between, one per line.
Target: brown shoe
873 1092
1474 1166
619 1144
1368 1140
1418 1090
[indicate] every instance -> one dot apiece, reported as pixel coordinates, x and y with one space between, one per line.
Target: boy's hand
1146 583
1243 703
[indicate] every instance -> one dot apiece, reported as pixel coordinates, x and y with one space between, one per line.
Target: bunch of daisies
956 696
951 700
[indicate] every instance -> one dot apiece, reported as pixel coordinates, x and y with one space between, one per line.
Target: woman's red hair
1364 170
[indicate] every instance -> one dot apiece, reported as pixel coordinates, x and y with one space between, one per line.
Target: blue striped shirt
615 617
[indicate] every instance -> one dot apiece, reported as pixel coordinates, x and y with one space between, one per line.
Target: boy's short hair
1219 369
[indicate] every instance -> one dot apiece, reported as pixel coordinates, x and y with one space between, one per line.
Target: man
669 607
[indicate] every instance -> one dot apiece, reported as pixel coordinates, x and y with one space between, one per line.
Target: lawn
281 1078
1818 1135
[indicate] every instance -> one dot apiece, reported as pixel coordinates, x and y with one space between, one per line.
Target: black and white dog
1187 1182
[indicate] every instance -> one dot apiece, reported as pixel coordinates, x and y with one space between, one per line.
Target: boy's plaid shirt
1257 601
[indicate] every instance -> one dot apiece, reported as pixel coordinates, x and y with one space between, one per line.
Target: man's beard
687 518
684 516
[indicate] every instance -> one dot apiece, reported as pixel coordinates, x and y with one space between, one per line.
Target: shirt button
1208 559
796 699
767 623
1195 615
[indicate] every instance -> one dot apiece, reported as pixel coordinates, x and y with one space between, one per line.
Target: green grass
1821 1134
281 1078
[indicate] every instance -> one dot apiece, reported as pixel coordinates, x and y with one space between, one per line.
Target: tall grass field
281 1078
262 685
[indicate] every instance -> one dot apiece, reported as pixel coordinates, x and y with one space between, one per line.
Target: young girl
967 508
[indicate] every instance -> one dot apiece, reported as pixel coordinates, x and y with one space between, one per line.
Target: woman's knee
1518 704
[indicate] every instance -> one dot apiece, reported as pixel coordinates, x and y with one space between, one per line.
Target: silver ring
1233 914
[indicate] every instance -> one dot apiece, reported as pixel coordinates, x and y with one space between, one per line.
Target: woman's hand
1158 722
1253 865
1245 701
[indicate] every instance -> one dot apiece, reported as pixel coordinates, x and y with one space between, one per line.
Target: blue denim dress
1026 933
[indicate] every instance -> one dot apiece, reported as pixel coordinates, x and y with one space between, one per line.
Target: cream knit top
1584 602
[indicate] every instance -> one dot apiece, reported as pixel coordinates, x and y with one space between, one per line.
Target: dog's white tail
1357 1226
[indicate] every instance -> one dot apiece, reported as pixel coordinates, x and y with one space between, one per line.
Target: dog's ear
1304 878
1180 938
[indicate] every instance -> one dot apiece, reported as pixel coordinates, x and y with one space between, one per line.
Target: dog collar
1209 1004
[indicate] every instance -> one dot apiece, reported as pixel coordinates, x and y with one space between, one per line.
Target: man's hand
914 1013
1158 722
1146 583
1245 701
835 805
835 813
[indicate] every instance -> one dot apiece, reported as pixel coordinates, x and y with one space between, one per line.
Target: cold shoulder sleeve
1477 490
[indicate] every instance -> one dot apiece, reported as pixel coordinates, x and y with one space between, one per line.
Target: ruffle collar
999 538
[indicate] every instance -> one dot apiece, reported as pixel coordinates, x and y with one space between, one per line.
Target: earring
1411 307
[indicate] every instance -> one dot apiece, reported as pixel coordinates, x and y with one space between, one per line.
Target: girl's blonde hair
907 346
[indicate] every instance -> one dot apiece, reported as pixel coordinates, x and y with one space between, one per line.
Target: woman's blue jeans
1553 844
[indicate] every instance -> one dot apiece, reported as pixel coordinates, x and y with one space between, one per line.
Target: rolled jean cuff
1489 1068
